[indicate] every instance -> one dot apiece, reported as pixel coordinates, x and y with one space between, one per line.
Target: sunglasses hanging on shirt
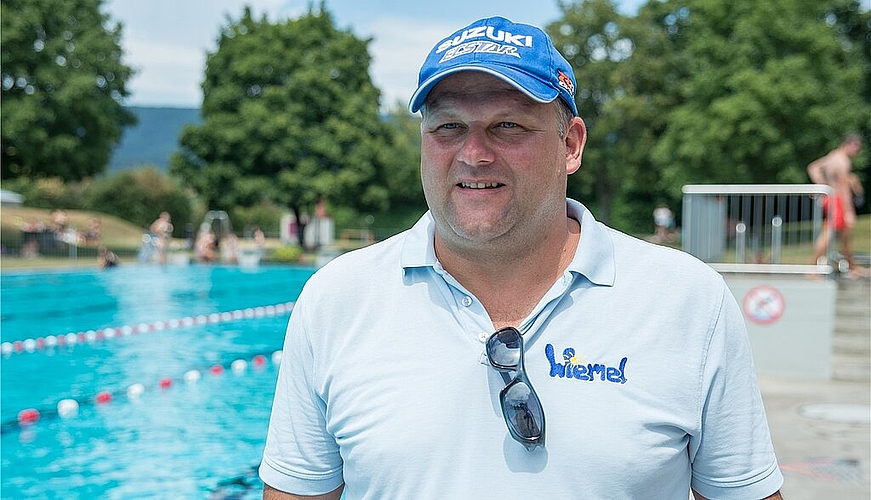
520 404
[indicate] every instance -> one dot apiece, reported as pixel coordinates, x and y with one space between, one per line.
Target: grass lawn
118 235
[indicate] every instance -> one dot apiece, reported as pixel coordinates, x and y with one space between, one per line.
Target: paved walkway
822 436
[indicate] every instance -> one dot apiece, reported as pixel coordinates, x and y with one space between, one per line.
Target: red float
28 417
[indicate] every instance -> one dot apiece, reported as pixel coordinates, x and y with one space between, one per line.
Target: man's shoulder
363 263
648 260
355 281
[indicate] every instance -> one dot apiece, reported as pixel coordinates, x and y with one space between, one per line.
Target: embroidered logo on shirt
575 367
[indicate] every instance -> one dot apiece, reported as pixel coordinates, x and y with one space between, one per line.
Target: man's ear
576 137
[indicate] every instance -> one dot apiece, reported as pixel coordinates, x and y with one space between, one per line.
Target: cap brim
542 92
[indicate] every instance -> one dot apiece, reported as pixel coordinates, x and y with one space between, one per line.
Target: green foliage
710 91
136 195
763 88
290 116
402 157
139 195
50 192
287 254
590 36
264 214
615 179
62 85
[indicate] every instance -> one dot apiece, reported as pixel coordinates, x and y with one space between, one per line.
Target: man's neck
510 284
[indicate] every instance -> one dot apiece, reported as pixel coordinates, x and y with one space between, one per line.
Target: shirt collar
418 248
594 257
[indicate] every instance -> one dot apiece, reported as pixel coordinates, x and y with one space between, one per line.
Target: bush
288 254
139 195
48 193
136 195
264 214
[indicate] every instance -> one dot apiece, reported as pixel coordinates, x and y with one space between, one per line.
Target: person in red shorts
834 169
833 211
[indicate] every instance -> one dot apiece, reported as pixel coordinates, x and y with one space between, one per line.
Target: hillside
116 233
153 139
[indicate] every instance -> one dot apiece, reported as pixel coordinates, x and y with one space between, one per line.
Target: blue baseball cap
520 54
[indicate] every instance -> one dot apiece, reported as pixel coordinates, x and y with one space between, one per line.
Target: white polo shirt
638 353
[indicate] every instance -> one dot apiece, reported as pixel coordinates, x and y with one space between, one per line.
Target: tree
403 161
642 101
710 91
763 88
62 86
589 35
616 179
289 114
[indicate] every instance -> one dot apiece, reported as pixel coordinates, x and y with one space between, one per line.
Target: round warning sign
764 305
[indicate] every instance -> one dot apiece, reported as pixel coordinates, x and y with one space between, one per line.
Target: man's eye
451 126
508 125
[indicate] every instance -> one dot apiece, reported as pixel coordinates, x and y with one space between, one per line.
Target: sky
166 41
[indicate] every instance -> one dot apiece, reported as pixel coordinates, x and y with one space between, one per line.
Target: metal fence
764 228
34 243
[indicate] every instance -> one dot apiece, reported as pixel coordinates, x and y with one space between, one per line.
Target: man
835 169
394 385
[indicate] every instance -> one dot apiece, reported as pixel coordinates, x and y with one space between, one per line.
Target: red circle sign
764 305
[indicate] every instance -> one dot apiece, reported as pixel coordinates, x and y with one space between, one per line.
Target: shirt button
467 301
483 336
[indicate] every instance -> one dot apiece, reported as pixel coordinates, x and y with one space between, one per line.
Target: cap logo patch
486 32
480 46
565 82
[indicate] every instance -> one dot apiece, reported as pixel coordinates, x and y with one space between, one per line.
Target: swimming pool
172 370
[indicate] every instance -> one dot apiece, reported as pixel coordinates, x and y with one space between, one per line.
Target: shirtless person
161 229
834 169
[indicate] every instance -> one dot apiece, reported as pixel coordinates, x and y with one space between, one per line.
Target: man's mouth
480 185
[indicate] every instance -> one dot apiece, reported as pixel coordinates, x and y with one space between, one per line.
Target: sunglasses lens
522 410
503 348
520 405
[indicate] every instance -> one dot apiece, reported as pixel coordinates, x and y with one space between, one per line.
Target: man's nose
476 149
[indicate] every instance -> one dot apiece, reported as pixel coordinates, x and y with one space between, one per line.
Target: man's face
493 163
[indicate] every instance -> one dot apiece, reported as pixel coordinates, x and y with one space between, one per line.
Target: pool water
172 369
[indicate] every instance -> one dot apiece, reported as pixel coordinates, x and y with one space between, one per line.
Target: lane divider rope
68 408
31 345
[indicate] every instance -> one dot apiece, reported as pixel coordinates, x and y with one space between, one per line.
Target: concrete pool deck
822 435
822 428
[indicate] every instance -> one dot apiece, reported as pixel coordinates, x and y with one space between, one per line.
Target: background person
663 220
161 232
835 170
106 259
628 375
206 245
59 222
94 233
